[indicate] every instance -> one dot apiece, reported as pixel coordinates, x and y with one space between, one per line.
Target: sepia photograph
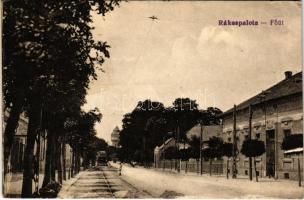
151 99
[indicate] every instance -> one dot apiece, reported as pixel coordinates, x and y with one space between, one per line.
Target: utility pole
234 144
179 160
250 125
275 145
144 150
201 146
164 157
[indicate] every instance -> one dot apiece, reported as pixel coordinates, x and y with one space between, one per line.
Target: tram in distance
101 158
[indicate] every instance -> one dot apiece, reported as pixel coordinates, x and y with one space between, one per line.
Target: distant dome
115 136
116 129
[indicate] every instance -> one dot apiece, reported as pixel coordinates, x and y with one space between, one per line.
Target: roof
208 131
286 87
166 142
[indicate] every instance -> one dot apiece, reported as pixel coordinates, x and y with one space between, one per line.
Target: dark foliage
184 154
194 147
227 149
253 148
50 190
214 149
171 153
150 123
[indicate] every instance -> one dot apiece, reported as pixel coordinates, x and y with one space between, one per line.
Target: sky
185 53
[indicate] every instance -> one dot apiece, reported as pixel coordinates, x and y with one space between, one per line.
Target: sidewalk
192 185
67 184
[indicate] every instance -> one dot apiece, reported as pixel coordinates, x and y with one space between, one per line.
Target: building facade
276 113
191 165
13 178
159 151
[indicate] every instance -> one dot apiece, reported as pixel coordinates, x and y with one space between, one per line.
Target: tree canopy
150 124
227 149
253 148
49 59
214 149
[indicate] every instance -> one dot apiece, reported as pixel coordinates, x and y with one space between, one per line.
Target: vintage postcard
152 99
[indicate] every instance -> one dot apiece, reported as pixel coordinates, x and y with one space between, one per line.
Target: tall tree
253 148
142 131
32 34
195 148
227 150
214 150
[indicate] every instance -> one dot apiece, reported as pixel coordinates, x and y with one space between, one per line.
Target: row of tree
49 59
151 123
215 148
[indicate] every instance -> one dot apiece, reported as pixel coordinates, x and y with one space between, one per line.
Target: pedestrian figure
120 168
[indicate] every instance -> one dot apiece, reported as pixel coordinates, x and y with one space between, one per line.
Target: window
287 132
286 175
287 155
246 137
258 136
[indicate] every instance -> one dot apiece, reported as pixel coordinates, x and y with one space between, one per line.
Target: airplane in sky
153 18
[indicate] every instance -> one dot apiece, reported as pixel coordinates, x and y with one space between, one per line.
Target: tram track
108 184
100 182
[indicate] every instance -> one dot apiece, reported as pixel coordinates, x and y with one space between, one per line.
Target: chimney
288 74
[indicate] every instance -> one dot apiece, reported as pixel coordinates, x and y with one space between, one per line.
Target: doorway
270 153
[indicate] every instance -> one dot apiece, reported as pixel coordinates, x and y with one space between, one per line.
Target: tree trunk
256 173
250 168
48 160
73 163
53 159
33 128
78 161
186 168
10 128
64 161
299 171
59 162
197 166
227 173
210 168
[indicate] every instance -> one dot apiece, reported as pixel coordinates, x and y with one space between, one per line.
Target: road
169 184
101 182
